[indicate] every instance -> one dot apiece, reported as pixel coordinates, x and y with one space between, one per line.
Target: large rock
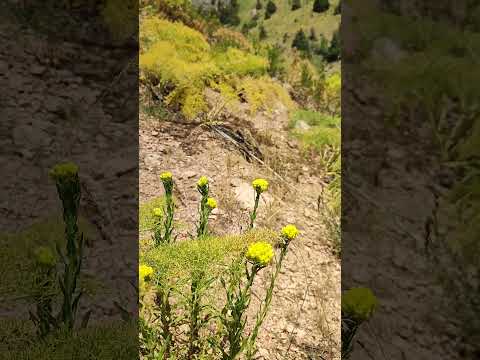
245 196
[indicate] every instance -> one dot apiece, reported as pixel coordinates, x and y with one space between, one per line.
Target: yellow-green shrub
240 63
230 38
181 59
261 93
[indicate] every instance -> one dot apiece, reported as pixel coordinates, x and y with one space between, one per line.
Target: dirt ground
304 319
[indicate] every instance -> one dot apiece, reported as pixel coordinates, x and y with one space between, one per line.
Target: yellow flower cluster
166 176
212 203
359 303
157 212
260 253
290 232
64 171
202 182
260 185
145 272
44 256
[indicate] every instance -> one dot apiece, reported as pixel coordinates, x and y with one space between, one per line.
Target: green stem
265 306
70 194
236 326
204 213
163 301
253 215
195 323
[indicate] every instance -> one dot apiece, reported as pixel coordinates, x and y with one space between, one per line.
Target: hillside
288 21
221 104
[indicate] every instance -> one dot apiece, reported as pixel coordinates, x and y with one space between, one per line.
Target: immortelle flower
212 203
158 212
145 272
202 182
260 253
359 303
65 171
260 185
166 176
44 256
290 232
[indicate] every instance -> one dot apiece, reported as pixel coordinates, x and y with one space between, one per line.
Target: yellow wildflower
212 203
166 176
64 171
145 272
260 253
44 256
290 232
260 185
158 212
359 303
202 182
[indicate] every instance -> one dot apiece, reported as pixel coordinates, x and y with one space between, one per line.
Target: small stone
302 125
37 69
190 174
154 133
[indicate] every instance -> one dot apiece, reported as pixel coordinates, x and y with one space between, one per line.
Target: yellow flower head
202 182
157 212
166 176
260 185
65 171
359 303
212 203
290 232
145 272
44 256
260 253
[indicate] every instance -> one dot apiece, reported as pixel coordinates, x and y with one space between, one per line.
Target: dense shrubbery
182 63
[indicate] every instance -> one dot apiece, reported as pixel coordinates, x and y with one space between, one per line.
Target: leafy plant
358 305
182 316
163 223
68 188
207 204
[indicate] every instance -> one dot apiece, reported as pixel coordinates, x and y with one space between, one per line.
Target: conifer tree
263 33
296 5
338 9
301 42
320 6
270 9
